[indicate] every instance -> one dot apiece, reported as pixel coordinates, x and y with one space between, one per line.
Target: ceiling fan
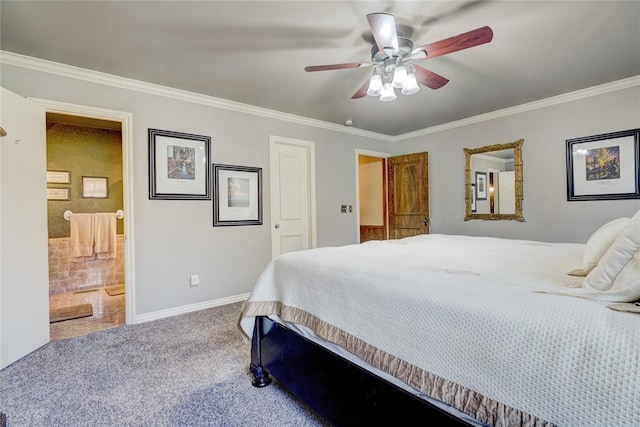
393 57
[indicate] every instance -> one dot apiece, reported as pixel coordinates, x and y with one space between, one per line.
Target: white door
507 192
24 276
292 195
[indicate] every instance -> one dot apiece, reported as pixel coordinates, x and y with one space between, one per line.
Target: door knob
277 225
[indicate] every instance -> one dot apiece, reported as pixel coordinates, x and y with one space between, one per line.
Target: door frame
309 146
126 120
378 154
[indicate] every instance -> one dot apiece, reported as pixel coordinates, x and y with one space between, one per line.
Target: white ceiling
254 52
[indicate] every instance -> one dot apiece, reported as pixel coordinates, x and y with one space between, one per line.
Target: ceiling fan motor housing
405 47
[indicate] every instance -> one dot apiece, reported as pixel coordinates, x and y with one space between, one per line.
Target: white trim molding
542 103
70 71
98 77
161 314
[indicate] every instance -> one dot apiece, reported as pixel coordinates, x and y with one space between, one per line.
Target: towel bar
67 214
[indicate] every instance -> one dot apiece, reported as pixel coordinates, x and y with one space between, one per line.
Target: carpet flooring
186 370
76 311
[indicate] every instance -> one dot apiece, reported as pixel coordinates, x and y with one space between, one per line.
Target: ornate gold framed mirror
493 182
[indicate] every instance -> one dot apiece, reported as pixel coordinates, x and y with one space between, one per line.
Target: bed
456 330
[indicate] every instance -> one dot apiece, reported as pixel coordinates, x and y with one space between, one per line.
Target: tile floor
108 311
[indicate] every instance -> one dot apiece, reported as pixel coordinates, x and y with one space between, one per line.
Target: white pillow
627 283
625 288
600 241
615 259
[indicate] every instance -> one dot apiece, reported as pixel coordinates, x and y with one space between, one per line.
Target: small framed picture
57 194
238 195
481 186
179 165
95 187
58 177
604 167
473 198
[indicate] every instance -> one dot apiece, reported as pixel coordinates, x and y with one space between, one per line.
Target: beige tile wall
66 276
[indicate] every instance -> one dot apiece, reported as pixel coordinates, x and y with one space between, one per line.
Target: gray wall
548 215
228 259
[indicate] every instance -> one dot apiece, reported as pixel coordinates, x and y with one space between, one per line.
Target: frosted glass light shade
388 93
375 85
399 76
410 85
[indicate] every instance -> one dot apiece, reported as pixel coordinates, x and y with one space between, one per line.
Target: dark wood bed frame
341 392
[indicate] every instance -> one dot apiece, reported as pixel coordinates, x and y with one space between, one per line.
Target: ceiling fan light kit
393 54
375 83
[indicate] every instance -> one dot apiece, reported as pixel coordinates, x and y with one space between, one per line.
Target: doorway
85 219
403 193
372 196
82 114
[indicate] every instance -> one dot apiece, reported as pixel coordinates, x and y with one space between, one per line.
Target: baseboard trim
161 314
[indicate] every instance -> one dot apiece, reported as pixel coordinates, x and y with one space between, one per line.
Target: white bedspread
462 309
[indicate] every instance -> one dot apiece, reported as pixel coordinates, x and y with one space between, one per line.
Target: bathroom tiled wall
66 276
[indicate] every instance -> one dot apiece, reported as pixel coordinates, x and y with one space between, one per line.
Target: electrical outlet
350 208
194 280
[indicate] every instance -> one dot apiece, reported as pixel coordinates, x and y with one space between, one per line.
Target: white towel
82 232
105 235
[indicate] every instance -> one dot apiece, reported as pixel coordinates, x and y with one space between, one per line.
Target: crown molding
547 102
71 71
64 70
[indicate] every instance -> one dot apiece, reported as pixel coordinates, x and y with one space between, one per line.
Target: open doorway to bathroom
85 224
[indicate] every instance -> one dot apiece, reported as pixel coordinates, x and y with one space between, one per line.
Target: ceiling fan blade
337 66
453 44
429 78
383 28
362 92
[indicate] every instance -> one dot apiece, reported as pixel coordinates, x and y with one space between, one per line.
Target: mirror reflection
493 182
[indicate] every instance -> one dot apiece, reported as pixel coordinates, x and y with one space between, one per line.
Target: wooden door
408 178
291 196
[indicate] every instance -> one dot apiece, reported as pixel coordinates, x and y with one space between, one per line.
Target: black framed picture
604 167
179 166
481 186
238 195
473 198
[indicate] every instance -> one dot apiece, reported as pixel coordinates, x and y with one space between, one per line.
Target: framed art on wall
481 186
57 194
179 165
58 177
94 187
473 198
238 195
604 167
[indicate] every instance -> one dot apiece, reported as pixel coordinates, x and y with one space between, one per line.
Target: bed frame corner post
261 377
